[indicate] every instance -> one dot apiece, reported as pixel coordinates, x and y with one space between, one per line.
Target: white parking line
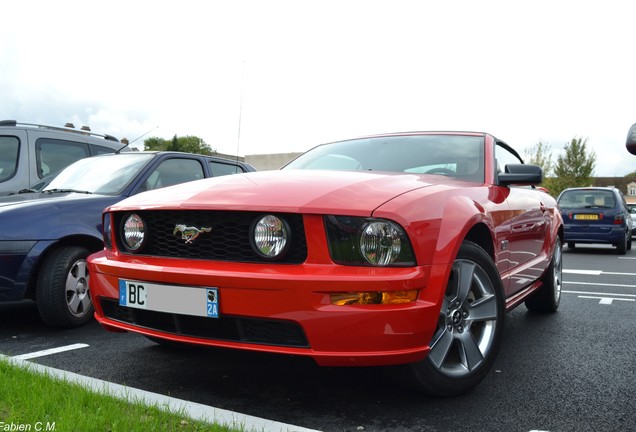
583 272
599 294
600 284
596 272
132 395
606 300
50 351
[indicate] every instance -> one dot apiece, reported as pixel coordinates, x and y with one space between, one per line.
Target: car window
587 198
173 171
98 150
503 157
221 169
107 175
53 155
9 150
450 155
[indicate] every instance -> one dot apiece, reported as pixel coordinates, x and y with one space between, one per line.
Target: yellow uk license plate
586 216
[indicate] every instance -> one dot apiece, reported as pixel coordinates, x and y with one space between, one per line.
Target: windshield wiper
66 191
23 191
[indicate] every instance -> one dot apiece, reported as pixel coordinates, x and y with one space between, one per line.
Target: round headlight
380 243
270 237
134 232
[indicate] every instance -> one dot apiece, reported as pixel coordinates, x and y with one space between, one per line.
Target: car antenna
130 142
240 113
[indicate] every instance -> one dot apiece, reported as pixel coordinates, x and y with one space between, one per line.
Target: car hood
39 199
30 202
320 192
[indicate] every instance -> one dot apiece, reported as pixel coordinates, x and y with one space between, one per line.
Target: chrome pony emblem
188 233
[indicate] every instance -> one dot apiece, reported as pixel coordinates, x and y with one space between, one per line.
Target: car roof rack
85 130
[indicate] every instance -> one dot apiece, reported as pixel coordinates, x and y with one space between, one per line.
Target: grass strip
32 401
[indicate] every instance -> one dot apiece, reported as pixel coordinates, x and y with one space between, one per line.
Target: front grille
248 330
229 239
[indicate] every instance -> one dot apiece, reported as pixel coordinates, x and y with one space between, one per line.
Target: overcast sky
252 77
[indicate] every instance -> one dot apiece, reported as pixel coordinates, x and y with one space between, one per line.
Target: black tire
621 248
548 297
571 245
62 293
469 332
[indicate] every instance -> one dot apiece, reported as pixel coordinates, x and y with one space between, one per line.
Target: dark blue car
596 215
46 237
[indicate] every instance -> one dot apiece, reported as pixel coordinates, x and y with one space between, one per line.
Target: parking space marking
603 298
133 395
597 273
606 300
599 294
50 351
599 284
583 272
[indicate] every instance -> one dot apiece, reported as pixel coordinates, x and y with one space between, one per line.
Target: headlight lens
380 243
270 237
134 232
368 241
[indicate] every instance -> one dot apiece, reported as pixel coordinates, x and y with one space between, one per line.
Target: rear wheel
469 330
621 247
62 294
548 297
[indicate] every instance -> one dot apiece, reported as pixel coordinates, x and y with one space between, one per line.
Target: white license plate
169 298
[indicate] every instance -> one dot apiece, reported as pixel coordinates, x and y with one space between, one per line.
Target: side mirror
631 140
520 174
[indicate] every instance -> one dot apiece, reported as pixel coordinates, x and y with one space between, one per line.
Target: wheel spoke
485 309
469 351
85 303
440 347
465 274
74 303
80 269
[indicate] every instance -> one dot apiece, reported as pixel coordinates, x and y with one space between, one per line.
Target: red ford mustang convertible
402 250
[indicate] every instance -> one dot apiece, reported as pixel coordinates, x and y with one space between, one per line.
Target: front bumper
18 259
281 308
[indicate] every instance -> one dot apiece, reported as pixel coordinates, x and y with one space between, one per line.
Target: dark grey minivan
30 152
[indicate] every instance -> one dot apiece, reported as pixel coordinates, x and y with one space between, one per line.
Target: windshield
450 155
105 175
588 198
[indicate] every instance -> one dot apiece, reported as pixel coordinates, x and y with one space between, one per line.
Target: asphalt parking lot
570 371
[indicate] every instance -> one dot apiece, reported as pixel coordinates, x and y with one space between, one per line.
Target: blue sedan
46 237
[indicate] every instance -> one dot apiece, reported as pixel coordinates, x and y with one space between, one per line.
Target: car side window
221 169
9 151
53 155
99 150
174 171
503 157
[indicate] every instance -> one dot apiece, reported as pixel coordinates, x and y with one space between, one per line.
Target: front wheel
469 330
62 294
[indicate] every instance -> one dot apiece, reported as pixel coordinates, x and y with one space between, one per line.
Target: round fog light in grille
380 243
134 232
270 236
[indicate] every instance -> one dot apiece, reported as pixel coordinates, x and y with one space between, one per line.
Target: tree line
573 168
187 144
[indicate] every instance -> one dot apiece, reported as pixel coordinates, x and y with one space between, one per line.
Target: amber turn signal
373 297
